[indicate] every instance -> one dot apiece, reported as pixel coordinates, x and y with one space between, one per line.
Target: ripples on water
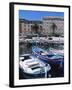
27 48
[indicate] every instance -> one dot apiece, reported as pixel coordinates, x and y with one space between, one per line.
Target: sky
37 15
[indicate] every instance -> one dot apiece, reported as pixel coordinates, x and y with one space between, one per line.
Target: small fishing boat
48 57
33 67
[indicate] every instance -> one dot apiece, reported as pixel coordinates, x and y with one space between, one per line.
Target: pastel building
26 26
53 22
47 26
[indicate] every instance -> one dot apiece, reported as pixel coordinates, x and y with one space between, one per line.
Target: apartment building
47 26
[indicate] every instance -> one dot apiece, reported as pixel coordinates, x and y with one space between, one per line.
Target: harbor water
26 48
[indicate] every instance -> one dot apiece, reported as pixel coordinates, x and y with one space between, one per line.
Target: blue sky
37 15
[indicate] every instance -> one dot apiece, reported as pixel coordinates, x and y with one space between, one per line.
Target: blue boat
48 56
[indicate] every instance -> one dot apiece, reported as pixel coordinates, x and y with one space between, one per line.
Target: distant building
53 22
26 26
47 26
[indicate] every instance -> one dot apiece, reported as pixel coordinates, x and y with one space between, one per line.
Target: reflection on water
27 48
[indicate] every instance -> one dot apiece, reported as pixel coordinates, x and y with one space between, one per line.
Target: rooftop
53 18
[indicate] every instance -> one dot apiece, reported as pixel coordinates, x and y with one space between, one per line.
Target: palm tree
53 27
35 28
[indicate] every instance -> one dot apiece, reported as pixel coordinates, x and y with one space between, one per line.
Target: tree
53 27
35 28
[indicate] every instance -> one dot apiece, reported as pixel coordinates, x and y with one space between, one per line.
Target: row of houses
47 26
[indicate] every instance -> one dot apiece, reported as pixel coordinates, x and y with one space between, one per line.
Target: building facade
47 25
26 26
51 23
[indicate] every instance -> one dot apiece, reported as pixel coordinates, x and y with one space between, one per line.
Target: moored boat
47 56
33 67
